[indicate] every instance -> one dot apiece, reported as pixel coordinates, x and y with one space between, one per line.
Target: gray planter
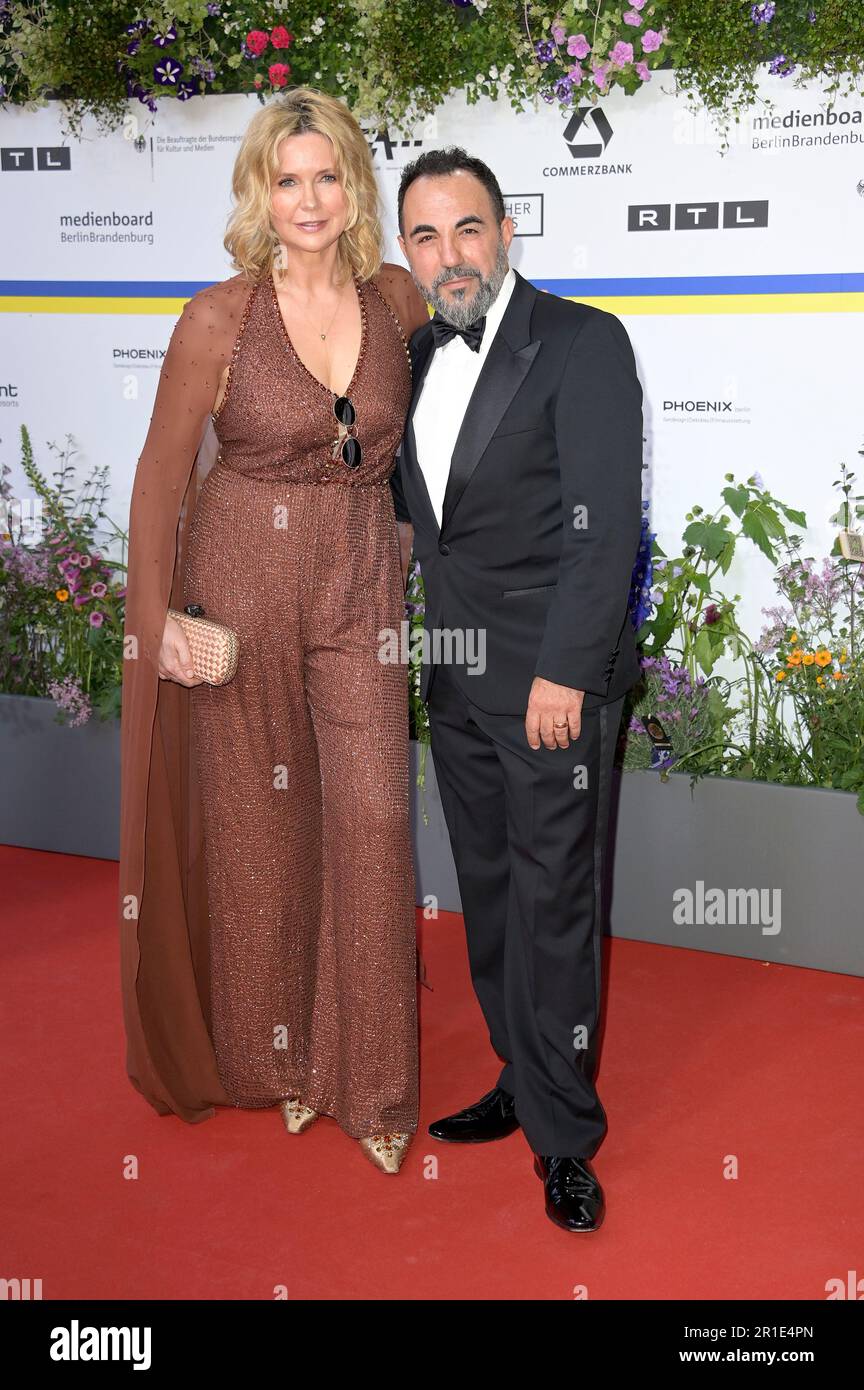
59 787
763 847
778 856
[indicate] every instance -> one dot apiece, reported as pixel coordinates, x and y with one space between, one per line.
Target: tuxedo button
443 548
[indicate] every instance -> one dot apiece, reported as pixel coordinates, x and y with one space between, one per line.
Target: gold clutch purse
214 647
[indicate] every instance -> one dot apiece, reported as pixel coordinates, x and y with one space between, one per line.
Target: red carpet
704 1057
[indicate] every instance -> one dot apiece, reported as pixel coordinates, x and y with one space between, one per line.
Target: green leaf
753 528
736 498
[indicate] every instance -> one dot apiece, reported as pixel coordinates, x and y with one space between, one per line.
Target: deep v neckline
358 285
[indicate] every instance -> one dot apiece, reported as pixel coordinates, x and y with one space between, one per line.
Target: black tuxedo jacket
554 424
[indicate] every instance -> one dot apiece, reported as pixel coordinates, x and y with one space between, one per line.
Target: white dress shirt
444 396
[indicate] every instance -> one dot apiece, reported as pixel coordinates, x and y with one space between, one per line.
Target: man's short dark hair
439 163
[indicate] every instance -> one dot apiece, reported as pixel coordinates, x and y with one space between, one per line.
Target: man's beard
456 308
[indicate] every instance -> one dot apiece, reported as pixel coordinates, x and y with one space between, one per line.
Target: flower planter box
796 849
61 791
60 786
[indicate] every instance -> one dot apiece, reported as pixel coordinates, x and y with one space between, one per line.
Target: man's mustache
459 273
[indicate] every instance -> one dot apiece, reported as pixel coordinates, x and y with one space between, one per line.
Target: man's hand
554 714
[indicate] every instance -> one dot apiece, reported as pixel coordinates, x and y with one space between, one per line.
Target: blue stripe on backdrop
618 285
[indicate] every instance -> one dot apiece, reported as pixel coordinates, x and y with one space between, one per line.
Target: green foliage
61 597
394 61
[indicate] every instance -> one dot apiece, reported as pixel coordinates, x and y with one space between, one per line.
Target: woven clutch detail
214 647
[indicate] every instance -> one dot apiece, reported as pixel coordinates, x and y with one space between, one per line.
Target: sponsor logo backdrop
739 278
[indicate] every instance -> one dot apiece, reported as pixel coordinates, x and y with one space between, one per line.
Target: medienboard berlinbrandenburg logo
575 124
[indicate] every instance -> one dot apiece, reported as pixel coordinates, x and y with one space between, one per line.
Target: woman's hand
175 658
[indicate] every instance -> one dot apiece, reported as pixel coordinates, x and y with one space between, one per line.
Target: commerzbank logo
588 132
587 135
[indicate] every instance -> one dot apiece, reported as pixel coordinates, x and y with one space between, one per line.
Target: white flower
505 76
480 5
480 77
493 73
318 77
317 24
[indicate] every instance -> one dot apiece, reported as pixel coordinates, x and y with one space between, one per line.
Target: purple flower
71 700
213 9
712 614
559 34
563 89
651 40
185 90
98 590
621 54
578 46
632 17
763 14
781 64
545 50
97 619
162 40
167 71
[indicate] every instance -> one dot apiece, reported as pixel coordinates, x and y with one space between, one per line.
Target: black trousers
528 831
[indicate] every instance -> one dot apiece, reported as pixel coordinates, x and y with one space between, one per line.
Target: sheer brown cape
164 956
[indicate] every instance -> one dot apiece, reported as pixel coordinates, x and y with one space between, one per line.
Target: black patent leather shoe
574 1197
492 1117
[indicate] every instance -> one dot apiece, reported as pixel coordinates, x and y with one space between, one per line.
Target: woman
267 893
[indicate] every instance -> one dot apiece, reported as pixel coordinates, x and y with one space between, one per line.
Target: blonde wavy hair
249 238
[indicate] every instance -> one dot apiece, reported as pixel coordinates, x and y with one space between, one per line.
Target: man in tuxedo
520 471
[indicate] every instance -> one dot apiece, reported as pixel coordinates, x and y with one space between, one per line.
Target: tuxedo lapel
411 470
507 364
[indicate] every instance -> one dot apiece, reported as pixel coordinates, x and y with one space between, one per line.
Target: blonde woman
267 893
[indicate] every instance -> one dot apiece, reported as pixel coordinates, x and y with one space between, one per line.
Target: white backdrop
739 278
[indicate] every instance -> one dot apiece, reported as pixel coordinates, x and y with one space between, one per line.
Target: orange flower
794 637
62 594
823 657
820 680
794 659
838 675
780 675
808 658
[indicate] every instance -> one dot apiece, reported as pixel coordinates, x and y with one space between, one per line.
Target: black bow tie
442 332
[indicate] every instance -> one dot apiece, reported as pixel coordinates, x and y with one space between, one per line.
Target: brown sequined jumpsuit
303 756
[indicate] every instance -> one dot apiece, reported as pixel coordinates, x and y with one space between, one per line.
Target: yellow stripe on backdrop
848 302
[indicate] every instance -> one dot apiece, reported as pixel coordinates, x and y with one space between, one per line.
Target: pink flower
622 53
98 590
278 74
280 38
97 619
578 46
632 17
600 72
559 34
651 40
257 41
74 559
638 4
642 69
85 562
576 74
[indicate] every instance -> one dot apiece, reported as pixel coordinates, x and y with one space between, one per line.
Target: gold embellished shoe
296 1115
386 1151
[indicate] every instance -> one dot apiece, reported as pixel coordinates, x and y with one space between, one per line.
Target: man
521 473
